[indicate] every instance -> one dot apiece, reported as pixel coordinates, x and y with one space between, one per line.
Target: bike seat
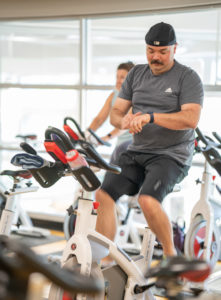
27 136
18 173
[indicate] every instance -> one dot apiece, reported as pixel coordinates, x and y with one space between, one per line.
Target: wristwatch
151 117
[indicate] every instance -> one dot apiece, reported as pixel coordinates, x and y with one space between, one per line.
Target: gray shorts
148 174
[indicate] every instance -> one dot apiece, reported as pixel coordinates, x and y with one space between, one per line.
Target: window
40 52
25 111
210 117
115 40
39 72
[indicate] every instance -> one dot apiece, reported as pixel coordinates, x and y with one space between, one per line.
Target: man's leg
162 173
113 187
106 215
158 222
106 218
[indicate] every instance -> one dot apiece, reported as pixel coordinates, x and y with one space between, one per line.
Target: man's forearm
116 117
176 121
184 119
187 118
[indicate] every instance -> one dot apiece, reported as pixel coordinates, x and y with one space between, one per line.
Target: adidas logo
169 90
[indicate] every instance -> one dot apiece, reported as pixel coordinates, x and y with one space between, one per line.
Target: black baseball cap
161 34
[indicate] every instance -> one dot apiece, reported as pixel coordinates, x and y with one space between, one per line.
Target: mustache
156 61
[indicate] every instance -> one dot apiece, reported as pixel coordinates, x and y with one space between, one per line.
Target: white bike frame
203 208
89 246
13 211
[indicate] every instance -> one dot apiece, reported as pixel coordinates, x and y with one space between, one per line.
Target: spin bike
128 278
128 236
86 247
13 217
202 239
76 138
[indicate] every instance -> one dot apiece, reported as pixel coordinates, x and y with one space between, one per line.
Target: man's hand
138 122
126 121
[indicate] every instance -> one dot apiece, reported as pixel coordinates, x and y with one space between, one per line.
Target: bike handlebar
70 281
57 145
201 136
209 151
100 162
217 136
65 140
208 141
100 141
76 125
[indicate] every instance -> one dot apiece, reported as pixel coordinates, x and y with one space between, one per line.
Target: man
166 99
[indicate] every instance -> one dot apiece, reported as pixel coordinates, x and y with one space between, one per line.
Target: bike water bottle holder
86 178
48 176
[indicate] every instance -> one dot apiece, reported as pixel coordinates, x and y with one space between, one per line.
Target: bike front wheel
195 239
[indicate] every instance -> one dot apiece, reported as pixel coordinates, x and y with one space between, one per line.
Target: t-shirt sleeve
126 91
191 89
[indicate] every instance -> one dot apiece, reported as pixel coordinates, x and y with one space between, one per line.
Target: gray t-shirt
163 93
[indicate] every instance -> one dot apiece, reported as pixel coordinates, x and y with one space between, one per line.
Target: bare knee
103 198
149 205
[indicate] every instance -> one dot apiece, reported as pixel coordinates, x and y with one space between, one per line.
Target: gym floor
55 243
